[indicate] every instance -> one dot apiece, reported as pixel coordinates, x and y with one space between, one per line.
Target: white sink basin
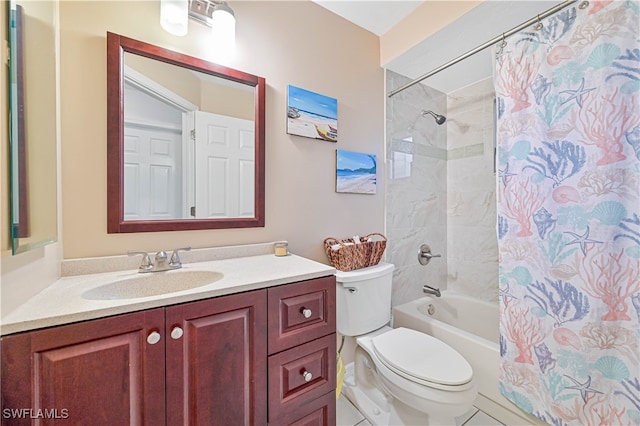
152 284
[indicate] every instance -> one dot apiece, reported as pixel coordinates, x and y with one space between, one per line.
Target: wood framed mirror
33 123
185 141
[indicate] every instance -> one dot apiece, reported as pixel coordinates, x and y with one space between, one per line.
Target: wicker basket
349 256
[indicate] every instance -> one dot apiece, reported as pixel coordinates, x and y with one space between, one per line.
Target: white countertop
63 301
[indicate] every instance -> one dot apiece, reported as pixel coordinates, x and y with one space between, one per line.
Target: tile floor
348 415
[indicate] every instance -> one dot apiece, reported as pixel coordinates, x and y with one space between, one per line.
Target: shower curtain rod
490 43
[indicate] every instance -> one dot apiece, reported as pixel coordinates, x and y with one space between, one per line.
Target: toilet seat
423 359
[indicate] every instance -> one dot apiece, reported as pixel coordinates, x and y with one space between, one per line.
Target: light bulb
174 16
223 24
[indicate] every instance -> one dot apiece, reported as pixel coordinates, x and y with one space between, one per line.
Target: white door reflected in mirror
181 162
224 166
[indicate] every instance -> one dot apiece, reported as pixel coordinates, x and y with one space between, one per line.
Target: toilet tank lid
370 272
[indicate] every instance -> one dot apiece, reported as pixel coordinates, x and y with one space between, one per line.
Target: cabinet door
96 372
216 361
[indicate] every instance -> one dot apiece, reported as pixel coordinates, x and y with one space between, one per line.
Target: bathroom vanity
247 350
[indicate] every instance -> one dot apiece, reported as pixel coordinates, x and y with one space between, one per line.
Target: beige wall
291 42
295 43
218 97
427 19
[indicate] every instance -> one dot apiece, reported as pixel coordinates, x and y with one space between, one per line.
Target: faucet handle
145 265
161 256
175 261
424 254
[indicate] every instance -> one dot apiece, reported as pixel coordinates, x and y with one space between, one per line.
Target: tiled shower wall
472 247
416 187
441 190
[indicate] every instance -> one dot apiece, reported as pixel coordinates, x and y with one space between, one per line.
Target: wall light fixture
174 16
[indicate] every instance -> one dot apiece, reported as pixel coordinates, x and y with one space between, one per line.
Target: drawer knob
306 312
176 333
153 338
307 376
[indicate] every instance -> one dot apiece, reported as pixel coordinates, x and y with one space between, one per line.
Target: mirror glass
32 124
185 142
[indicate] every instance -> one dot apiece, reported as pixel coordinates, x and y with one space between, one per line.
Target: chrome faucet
162 260
431 290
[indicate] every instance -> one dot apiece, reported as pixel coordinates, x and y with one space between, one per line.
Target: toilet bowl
399 376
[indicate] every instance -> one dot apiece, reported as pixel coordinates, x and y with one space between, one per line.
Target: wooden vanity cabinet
139 369
220 361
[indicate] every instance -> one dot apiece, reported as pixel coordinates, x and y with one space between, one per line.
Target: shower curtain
568 185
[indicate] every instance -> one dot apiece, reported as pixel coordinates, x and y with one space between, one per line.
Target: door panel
152 173
216 372
60 379
225 166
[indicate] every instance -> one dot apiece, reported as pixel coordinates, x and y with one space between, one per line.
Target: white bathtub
470 326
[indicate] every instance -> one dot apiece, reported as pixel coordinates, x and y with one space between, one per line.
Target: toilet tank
363 299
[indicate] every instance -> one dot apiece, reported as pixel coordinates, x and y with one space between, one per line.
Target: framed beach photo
355 172
312 115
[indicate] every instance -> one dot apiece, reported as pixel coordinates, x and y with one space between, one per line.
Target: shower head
440 119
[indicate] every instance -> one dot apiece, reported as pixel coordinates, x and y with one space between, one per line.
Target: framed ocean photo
311 114
355 172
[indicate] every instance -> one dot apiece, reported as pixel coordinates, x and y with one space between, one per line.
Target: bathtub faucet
431 290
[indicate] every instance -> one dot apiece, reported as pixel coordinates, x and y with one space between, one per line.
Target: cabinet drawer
300 375
319 412
301 312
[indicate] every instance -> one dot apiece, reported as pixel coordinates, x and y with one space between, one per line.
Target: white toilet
399 376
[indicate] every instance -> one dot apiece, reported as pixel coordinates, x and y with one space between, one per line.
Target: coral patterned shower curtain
568 226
